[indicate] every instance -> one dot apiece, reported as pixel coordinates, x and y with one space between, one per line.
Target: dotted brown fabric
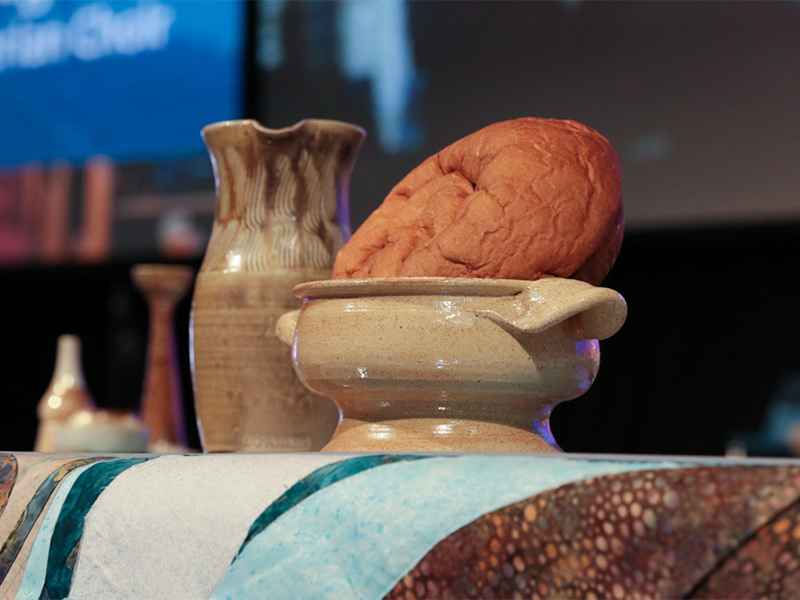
767 566
647 534
521 199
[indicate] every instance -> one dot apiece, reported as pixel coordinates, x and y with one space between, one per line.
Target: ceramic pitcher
281 217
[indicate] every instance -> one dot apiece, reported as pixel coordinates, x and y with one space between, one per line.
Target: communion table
327 525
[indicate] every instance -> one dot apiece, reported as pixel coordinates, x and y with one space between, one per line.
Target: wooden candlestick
162 401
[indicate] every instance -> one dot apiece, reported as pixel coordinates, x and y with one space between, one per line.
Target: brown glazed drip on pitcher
281 217
280 203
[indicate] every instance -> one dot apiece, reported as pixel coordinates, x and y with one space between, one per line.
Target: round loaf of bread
520 199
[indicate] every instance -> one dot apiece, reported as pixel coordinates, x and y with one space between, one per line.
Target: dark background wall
701 101
712 328
97 303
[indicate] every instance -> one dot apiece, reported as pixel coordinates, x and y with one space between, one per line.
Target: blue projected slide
133 81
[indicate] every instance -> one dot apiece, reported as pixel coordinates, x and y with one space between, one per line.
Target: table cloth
327 525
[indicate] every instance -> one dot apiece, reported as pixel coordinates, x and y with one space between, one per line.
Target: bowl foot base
434 435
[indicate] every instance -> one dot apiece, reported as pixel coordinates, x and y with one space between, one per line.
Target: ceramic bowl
434 364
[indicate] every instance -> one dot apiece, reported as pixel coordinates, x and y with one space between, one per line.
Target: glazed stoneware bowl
434 364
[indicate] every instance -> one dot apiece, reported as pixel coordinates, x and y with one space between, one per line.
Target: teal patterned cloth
357 538
14 542
69 527
396 526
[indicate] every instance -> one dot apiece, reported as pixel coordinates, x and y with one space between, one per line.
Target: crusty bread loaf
520 199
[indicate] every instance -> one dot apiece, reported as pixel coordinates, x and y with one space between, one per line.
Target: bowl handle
285 326
547 302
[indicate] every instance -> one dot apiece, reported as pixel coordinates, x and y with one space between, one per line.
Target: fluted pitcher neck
282 194
230 130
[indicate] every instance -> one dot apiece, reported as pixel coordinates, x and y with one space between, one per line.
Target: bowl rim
406 286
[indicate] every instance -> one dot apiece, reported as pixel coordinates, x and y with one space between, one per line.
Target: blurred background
102 166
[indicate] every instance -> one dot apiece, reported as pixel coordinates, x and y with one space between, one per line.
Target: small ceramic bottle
66 395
